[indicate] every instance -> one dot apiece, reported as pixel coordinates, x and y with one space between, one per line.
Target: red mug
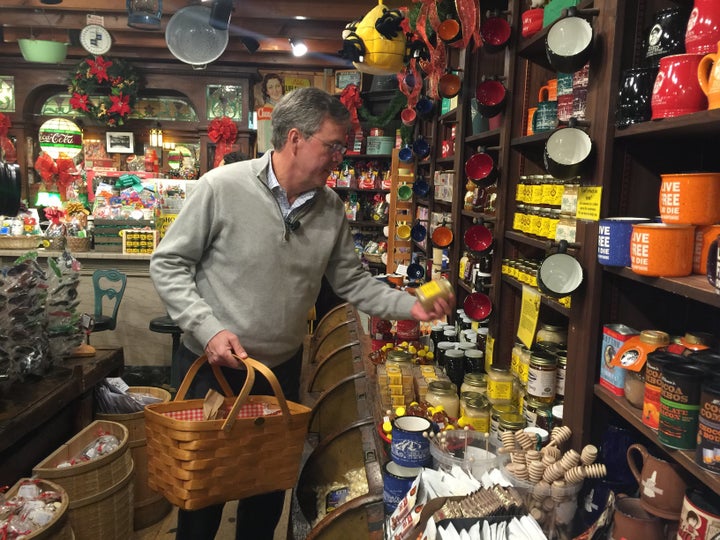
703 27
677 90
532 22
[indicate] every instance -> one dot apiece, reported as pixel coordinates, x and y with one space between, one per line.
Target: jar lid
446 345
512 421
553 328
698 338
454 353
479 379
655 337
480 402
442 387
396 355
474 353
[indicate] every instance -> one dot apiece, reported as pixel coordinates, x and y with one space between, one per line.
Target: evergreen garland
396 104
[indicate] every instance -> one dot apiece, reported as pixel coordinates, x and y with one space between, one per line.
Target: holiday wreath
104 89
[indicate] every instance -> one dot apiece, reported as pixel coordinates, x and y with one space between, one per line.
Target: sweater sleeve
172 265
351 282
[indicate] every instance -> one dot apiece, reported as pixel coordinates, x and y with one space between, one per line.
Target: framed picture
345 77
119 142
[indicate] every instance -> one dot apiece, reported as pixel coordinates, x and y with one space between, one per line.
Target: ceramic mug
704 237
545 117
406 154
550 90
564 84
666 35
565 107
532 22
403 230
662 249
408 116
479 122
396 483
690 198
631 520
709 78
529 122
614 240
713 264
661 487
634 97
677 90
703 27
404 192
410 445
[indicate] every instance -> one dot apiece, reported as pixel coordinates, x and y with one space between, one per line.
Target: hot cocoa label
640 250
670 200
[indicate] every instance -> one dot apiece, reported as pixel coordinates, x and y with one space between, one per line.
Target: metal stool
165 325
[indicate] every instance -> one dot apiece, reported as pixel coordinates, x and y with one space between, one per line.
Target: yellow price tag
588 202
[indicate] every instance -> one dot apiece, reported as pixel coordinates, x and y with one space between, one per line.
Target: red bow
46 167
65 171
438 56
54 214
468 13
351 99
5 125
223 132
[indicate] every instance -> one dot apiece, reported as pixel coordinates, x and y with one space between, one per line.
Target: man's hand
221 347
441 307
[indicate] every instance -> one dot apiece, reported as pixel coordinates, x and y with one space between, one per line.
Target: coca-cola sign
60 136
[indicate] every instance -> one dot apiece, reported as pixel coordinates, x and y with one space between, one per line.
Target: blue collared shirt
281 195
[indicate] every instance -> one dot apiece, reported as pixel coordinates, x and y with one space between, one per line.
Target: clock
95 39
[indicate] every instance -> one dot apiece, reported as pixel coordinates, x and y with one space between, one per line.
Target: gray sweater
229 261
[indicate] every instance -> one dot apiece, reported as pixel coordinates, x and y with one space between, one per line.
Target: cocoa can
653 382
680 405
707 454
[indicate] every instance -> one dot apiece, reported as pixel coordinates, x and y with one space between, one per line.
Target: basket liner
198 463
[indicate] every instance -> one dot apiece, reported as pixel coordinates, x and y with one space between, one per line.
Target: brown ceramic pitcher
631 520
662 490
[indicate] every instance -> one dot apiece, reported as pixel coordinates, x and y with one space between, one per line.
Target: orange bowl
690 198
662 249
442 237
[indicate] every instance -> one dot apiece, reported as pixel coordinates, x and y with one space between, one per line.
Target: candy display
30 508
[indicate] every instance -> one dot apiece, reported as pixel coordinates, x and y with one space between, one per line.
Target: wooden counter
37 416
139 306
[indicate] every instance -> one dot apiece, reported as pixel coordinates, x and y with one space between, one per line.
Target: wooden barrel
58 528
149 507
100 491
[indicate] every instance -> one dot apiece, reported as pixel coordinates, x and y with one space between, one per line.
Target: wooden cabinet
626 165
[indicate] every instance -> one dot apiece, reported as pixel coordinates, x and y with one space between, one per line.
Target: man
242 265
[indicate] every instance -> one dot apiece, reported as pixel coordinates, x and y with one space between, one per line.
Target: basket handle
195 367
251 366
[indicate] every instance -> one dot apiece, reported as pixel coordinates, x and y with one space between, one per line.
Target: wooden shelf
685 458
703 124
541 243
486 137
695 287
449 117
544 299
366 223
368 156
487 218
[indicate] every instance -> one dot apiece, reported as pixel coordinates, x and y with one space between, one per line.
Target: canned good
614 335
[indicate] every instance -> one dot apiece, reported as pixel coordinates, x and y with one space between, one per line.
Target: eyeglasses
333 147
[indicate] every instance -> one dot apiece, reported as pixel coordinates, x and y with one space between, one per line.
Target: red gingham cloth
249 410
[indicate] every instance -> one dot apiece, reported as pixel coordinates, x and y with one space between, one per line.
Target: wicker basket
149 506
20 242
76 244
101 490
196 463
59 526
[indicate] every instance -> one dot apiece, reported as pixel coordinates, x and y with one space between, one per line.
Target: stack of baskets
150 507
100 491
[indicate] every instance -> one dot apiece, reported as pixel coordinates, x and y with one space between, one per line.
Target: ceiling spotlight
298 47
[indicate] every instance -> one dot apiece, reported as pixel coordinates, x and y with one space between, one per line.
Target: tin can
680 406
707 454
656 360
614 335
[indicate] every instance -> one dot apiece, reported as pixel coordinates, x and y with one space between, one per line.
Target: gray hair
305 109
